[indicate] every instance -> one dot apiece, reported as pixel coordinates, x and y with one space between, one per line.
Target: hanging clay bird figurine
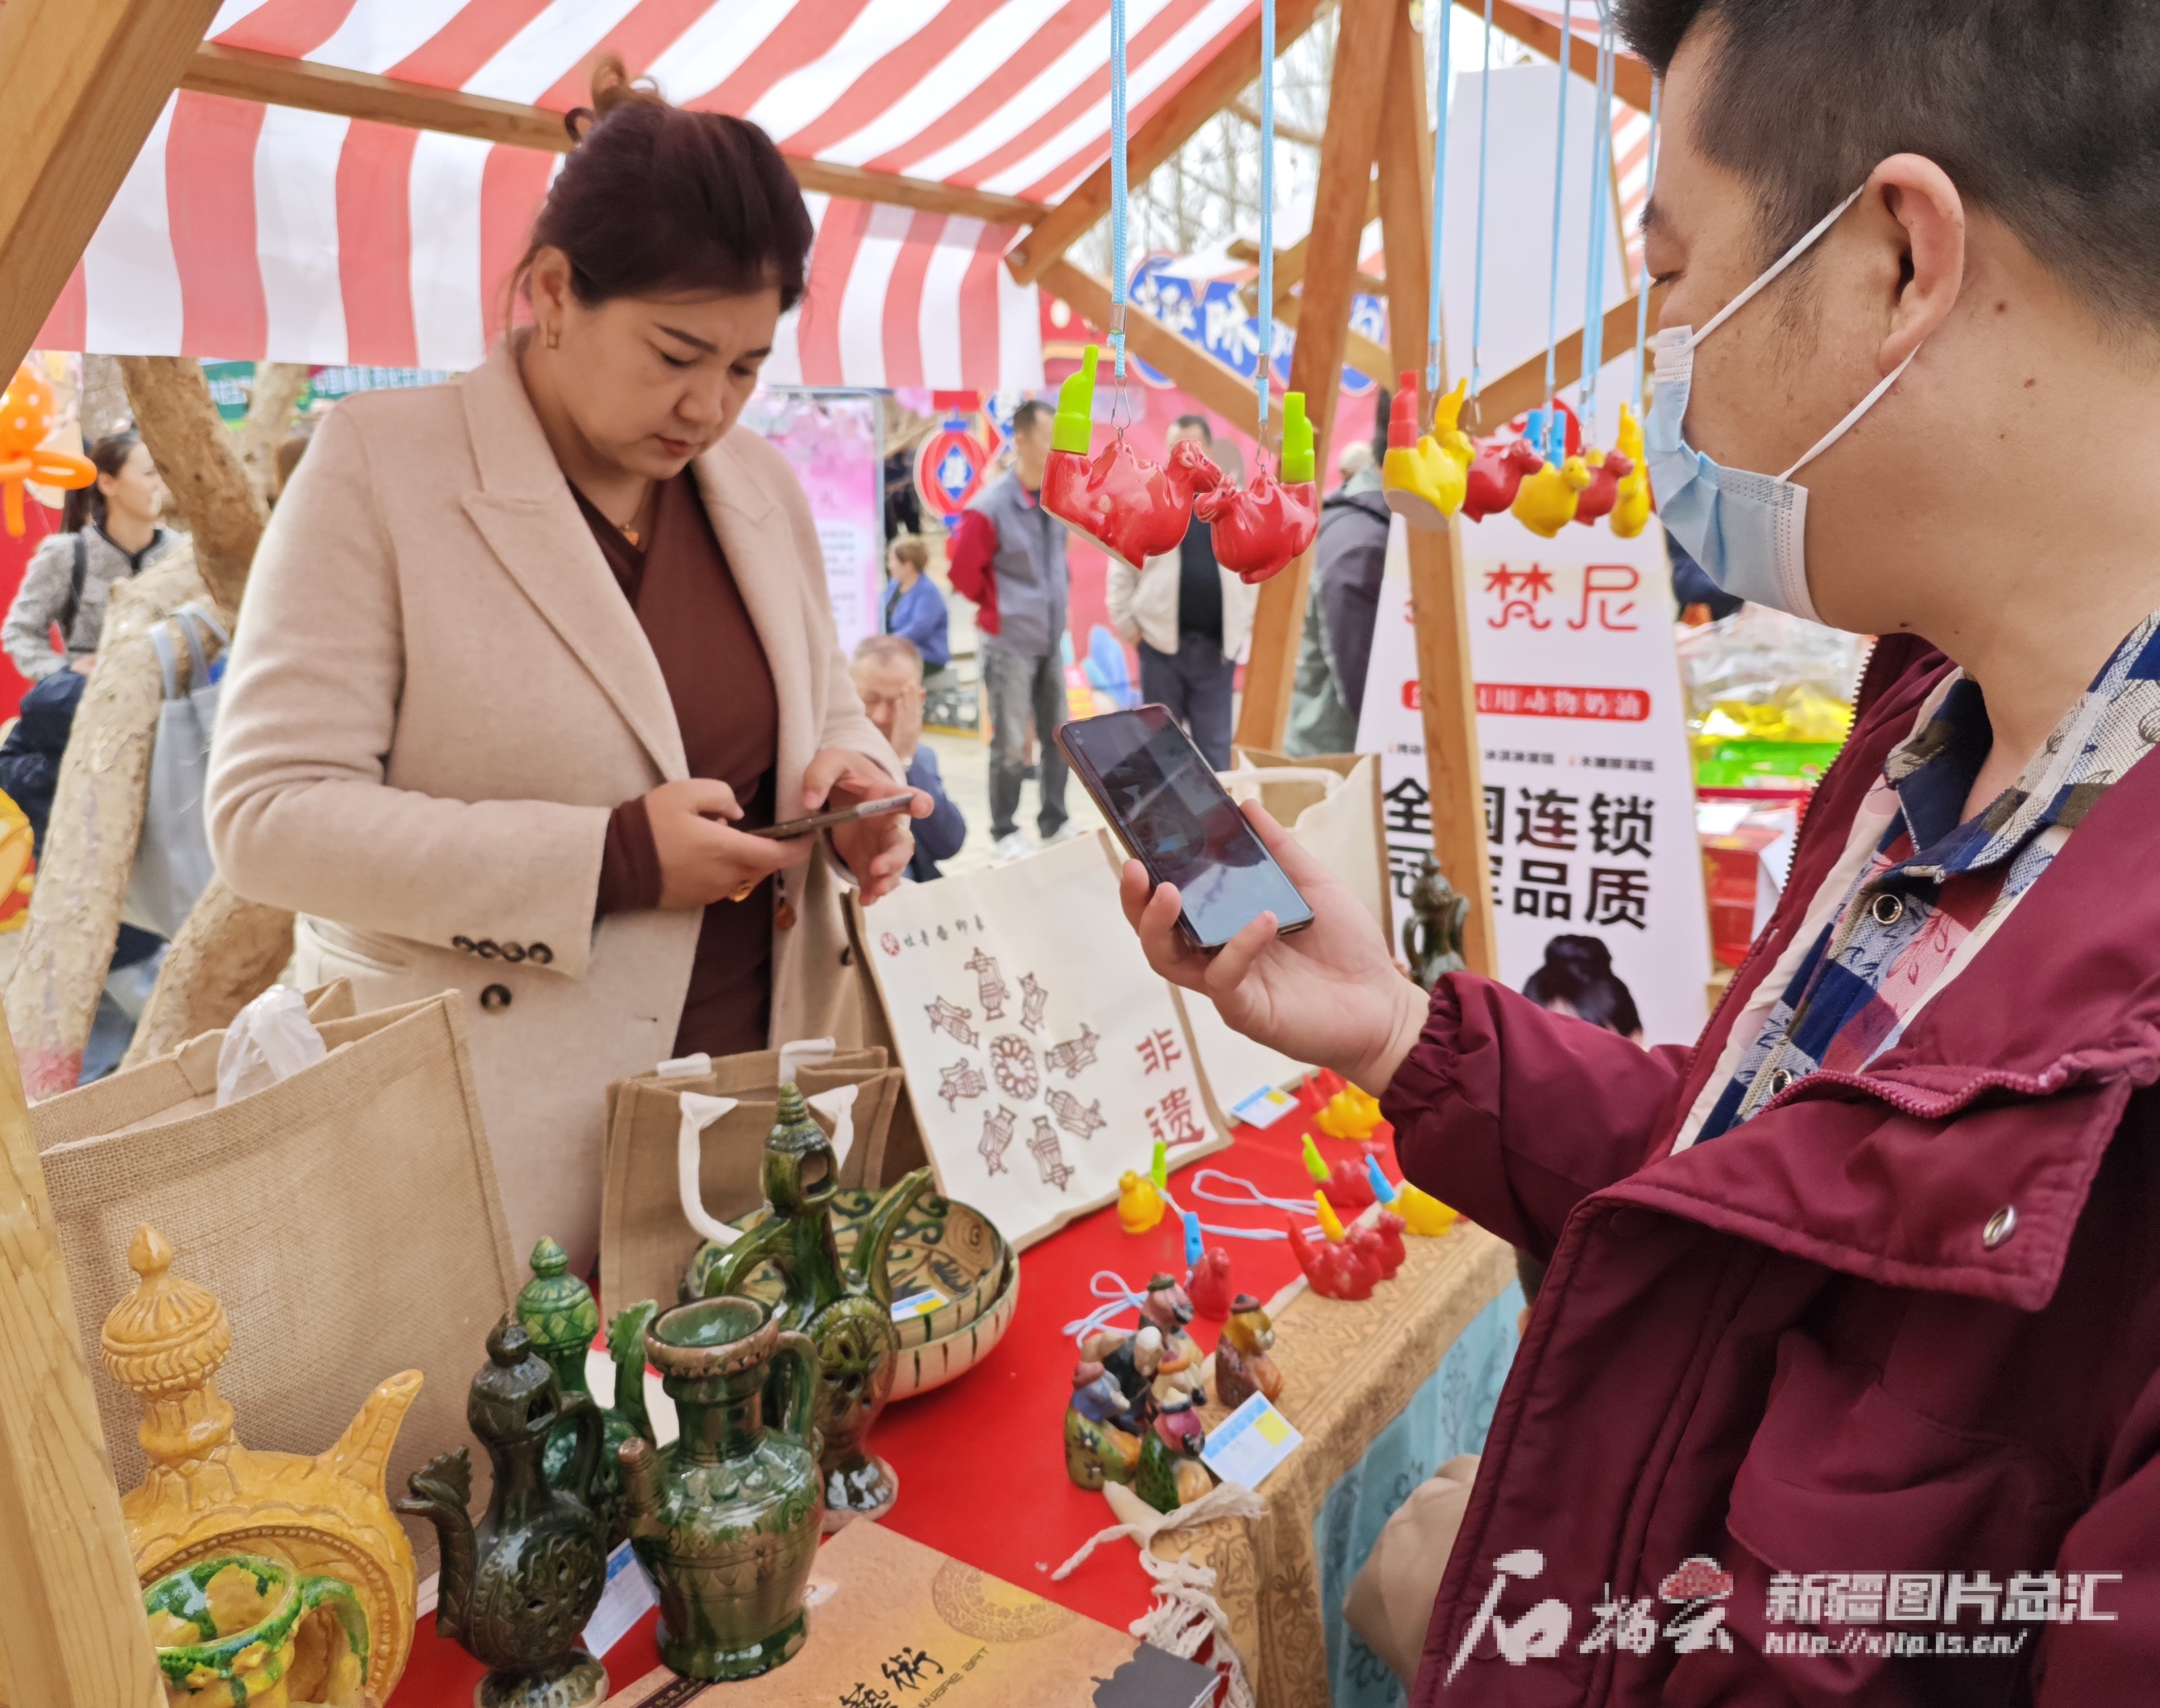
518 1587
1425 477
846 1309
1496 474
1132 508
1257 531
1545 503
1631 504
1607 470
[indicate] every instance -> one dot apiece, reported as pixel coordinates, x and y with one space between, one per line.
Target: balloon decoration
27 415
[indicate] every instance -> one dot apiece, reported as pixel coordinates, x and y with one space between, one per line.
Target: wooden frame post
81 82
1365 37
1447 692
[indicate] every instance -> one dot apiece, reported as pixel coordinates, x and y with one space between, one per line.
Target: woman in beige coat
524 657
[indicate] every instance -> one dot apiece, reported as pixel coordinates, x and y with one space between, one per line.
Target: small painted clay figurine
1631 503
1242 1366
1168 1478
1258 530
1608 469
518 1587
1423 475
1335 1271
1178 1394
1422 1216
1129 1360
1432 935
1208 1284
1133 509
1169 1309
1140 1205
1496 474
1097 1449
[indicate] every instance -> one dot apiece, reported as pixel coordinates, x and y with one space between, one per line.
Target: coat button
486 949
495 998
539 954
2000 1227
513 952
1779 1080
1887 908
464 943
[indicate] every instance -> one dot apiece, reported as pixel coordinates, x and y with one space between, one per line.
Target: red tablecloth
981 1462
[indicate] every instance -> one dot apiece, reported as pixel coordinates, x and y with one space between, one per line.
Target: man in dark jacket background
1349 558
1843 1385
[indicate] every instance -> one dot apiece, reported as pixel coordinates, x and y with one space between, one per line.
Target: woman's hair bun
1580 958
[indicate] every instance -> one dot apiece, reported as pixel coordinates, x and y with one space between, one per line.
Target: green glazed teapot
845 1308
726 1518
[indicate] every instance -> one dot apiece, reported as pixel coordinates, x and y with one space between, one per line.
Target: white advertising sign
1589 797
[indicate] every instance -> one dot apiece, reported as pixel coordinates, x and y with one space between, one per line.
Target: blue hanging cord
1600 212
1643 278
1117 328
1477 276
1560 181
1439 205
1263 370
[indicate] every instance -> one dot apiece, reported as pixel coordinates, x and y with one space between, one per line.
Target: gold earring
554 339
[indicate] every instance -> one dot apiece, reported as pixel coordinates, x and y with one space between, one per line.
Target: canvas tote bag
646 1243
172 864
346 1217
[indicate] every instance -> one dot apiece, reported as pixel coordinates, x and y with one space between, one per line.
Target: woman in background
109 533
914 608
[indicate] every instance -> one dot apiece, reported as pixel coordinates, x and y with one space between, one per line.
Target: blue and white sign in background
1208 313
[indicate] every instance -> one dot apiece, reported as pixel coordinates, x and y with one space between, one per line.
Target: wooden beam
1290 263
1524 387
1365 34
1447 692
1630 77
1217 384
245 75
81 82
1204 95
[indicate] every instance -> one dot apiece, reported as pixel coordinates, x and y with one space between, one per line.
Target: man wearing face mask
1845 1382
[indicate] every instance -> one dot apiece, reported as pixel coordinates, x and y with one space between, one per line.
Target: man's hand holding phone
1330 994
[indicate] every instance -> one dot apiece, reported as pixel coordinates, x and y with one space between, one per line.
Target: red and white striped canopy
246 231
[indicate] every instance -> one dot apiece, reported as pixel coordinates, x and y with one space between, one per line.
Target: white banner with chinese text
1589 797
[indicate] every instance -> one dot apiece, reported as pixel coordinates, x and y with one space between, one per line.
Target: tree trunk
104 407
89 851
278 387
200 459
228 954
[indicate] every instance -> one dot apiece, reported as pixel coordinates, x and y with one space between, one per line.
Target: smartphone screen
1180 822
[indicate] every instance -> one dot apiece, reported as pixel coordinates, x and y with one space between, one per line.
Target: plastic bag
270 1040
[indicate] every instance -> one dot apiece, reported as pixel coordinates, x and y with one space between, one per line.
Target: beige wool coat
438 694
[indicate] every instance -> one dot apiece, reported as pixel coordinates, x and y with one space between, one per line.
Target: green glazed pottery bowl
228 1629
941 1247
933 1363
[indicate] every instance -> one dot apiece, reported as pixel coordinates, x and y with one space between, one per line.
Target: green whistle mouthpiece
1296 440
1076 409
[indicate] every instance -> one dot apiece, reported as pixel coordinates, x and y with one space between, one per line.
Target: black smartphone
845 815
1176 820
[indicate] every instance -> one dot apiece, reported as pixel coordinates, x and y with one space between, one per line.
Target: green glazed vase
557 1311
726 1518
225 1629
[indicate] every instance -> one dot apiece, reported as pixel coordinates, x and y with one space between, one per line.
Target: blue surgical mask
1747 531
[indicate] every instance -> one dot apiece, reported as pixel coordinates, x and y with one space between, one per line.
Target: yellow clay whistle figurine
1140 1205
1331 1224
1350 1114
1423 1214
1545 503
1424 482
1631 508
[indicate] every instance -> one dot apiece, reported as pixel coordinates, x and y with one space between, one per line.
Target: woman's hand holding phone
1330 994
876 850
703 858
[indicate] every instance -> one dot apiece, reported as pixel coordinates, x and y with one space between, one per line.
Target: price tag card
1249 1443
628 1595
918 1304
1264 1108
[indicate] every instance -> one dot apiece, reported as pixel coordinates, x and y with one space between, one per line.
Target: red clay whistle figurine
1133 509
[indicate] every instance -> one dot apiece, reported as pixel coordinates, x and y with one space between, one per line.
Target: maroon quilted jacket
1789 1352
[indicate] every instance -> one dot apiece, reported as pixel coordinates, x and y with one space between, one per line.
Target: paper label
1264 1108
1249 1443
919 1303
622 1604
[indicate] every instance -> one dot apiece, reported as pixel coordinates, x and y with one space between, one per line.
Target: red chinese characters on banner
1520 593
1513 699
